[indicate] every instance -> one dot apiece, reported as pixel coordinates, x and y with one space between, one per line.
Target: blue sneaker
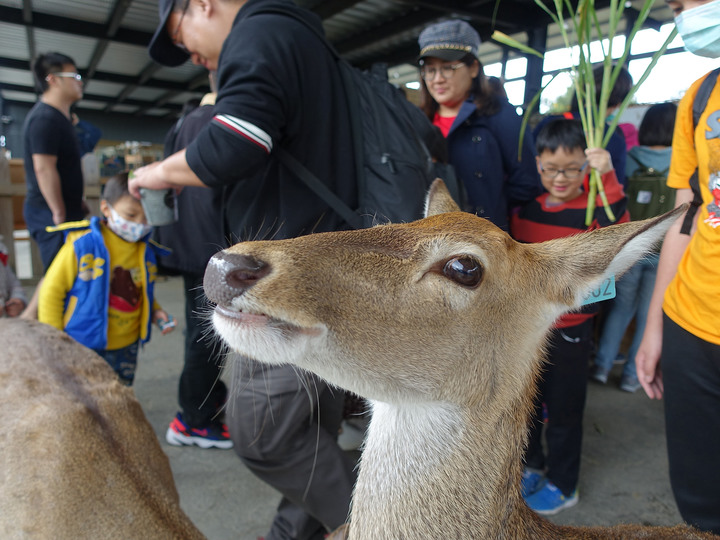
599 374
549 500
629 383
532 480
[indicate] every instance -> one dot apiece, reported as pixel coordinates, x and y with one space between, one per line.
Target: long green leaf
503 38
585 25
528 112
624 105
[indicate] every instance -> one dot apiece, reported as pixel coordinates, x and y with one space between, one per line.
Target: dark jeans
200 391
49 243
123 361
691 376
284 423
562 390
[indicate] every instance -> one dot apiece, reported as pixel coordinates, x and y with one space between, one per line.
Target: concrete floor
624 464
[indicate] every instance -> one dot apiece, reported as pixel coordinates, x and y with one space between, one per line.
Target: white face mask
125 229
699 28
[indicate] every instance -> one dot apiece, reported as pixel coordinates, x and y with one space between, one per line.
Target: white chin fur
264 343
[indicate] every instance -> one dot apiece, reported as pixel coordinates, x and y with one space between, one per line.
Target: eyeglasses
173 35
429 73
571 173
68 74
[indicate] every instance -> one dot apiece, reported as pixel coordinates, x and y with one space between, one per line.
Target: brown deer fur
450 368
78 459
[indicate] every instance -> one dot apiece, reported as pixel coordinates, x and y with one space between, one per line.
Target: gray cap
449 40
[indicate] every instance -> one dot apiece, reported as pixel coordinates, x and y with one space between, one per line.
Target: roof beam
327 9
105 76
414 20
74 27
29 31
459 8
145 75
113 25
194 84
112 100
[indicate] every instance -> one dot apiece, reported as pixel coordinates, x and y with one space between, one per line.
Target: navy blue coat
484 152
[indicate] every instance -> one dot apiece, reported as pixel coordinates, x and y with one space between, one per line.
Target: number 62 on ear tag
605 291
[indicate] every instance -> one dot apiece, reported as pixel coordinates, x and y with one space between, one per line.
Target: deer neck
420 460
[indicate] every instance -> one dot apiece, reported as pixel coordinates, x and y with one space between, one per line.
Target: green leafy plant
579 26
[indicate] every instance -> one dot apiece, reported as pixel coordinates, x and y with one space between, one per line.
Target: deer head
441 323
448 308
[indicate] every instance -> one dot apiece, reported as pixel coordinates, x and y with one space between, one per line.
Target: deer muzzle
229 275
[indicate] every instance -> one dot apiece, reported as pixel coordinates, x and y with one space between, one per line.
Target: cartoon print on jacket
124 292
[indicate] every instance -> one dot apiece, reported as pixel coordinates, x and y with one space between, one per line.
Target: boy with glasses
564 163
53 173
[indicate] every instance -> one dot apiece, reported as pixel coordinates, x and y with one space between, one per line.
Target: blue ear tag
605 291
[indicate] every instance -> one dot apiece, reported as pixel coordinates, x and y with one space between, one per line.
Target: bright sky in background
669 79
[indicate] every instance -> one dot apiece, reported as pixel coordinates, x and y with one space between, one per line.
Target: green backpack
648 194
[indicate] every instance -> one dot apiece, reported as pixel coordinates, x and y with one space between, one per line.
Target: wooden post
6 208
8 221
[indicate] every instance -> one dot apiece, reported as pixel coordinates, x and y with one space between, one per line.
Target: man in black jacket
278 85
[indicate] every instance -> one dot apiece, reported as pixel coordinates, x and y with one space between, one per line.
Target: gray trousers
284 423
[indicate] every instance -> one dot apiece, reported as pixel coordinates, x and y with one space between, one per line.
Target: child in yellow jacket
99 288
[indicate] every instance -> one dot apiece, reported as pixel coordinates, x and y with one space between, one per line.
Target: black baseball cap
161 48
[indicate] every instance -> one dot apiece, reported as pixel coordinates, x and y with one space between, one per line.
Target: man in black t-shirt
53 174
278 85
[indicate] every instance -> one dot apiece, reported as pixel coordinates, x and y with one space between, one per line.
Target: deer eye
464 270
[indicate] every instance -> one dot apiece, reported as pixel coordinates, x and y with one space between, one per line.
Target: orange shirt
692 300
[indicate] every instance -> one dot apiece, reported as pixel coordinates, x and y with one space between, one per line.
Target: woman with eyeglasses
482 129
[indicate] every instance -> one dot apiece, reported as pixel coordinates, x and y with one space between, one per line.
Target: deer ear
581 263
439 200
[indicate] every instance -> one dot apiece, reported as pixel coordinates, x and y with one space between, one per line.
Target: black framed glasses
571 173
173 35
447 71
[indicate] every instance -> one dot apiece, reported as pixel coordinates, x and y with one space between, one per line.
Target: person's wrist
163 171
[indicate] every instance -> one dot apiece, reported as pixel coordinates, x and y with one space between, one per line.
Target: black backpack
648 194
392 140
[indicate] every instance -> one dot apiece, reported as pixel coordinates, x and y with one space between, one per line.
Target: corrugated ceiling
108 39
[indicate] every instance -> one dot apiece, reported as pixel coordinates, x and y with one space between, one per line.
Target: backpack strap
321 190
699 104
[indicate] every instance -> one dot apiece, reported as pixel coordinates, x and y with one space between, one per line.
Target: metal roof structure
108 40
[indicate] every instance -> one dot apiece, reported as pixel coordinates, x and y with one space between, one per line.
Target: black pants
691 376
200 391
284 423
49 243
561 391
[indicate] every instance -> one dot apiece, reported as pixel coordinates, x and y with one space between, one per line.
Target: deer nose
229 275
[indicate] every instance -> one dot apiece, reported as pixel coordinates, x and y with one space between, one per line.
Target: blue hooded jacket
484 151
